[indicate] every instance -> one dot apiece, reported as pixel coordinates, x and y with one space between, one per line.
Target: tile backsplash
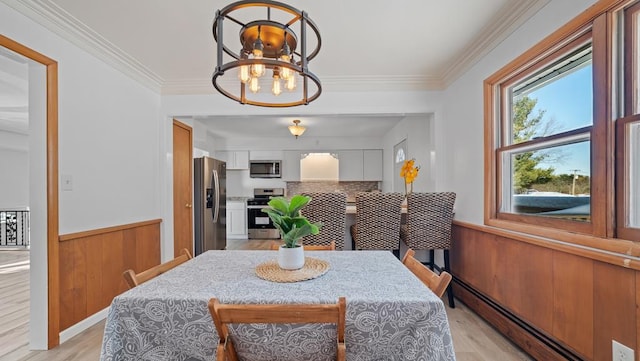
350 188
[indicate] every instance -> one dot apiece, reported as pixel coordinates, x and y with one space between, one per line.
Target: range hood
319 167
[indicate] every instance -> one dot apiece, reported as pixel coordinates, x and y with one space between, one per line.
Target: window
560 160
545 151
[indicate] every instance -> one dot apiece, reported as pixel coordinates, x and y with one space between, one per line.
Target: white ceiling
402 45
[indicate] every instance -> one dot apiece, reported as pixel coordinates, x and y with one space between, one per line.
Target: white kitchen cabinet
372 160
236 159
351 165
236 220
265 155
291 165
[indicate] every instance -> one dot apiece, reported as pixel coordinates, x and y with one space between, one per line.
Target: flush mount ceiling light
296 129
269 56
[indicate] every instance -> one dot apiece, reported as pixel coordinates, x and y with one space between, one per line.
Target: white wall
459 134
108 133
14 178
418 130
109 141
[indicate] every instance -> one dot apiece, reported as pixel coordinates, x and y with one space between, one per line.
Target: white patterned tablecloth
391 315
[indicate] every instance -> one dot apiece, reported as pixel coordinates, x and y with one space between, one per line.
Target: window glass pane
554 100
552 182
633 191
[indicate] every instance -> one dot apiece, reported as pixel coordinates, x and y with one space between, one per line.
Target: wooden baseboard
535 343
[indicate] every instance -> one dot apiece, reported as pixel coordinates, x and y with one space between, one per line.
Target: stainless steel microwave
265 169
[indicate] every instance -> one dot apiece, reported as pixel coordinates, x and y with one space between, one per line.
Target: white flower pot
291 258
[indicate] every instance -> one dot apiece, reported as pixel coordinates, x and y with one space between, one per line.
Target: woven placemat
312 268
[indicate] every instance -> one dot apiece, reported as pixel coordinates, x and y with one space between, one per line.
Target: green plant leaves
286 217
297 203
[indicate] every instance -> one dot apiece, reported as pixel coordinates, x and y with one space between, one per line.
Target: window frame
622 186
505 144
602 21
631 68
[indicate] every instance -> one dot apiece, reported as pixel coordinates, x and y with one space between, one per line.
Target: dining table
390 314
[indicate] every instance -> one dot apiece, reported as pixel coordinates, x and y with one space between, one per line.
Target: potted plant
292 226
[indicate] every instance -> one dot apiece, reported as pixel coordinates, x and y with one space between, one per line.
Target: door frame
53 270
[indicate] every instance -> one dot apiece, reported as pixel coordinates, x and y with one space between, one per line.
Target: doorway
44 307
14 201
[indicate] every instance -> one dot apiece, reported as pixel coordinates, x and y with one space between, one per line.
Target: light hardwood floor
473 339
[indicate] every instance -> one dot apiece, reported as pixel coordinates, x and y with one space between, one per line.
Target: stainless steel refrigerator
210 204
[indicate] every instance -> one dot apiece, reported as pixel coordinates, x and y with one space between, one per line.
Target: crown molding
381 83
68 27
500 27
187 86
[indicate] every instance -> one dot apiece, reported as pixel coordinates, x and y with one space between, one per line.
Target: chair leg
432 258
449 288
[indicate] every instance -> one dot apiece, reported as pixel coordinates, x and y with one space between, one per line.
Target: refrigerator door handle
215 185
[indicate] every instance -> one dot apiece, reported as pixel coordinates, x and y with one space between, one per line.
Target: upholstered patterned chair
378 218
328 208
428 227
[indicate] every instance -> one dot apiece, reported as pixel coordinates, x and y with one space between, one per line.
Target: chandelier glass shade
272 67
296 129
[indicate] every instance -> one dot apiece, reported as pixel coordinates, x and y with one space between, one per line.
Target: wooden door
182 188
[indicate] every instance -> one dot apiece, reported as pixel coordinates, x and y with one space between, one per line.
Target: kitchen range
259 223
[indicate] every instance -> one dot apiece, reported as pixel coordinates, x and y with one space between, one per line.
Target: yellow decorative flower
409 172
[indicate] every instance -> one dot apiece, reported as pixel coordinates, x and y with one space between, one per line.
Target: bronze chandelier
269 54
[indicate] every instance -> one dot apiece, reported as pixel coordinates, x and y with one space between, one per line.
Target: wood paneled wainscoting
92 262
554 300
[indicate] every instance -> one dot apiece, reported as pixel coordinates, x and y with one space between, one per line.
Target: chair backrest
330 209
329 247
224 314
378 218
134 279
429 217
437 283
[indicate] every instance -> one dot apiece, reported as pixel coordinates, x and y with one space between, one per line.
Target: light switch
67 182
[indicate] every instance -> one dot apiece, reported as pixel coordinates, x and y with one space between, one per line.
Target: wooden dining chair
312 247
133 279
224 314
437 283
